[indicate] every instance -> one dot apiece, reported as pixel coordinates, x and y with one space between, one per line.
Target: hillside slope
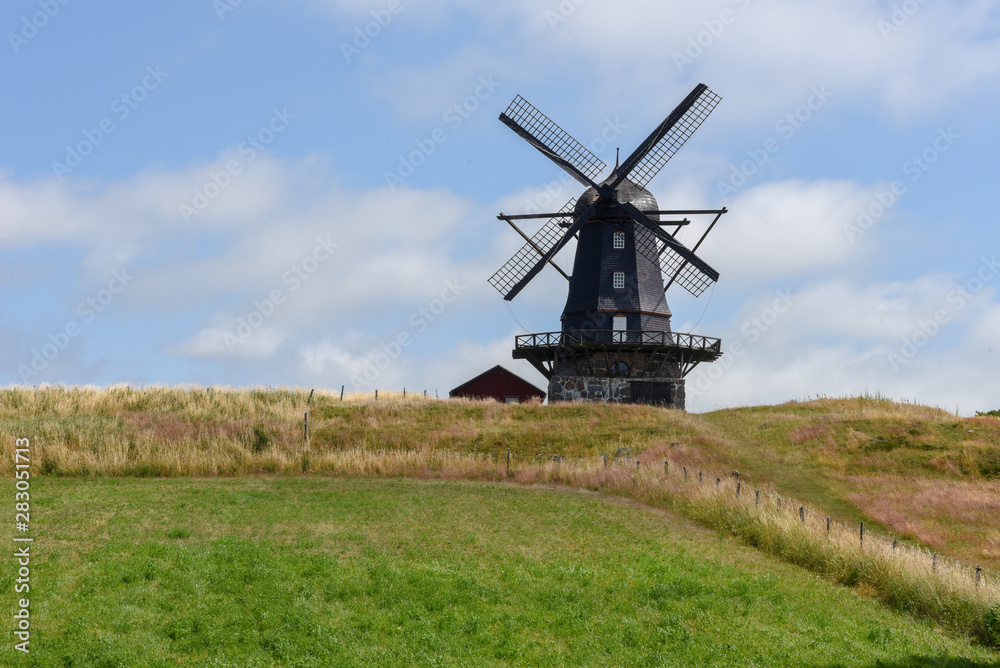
919 472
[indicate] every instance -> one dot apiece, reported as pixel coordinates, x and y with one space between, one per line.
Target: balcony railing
617 337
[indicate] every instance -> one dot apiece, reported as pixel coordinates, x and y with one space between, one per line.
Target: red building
500 385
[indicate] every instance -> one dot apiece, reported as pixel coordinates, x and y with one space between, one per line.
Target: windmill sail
661 145
673 265
517 267
541 132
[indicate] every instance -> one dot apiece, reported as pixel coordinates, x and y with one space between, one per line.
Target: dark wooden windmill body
616 342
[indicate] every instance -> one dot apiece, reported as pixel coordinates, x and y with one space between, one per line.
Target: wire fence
822 523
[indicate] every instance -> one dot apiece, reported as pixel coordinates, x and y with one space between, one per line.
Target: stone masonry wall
607 390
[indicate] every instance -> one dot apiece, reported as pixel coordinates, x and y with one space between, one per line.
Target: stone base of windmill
665 392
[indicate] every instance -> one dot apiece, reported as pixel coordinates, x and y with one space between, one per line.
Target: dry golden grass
868 407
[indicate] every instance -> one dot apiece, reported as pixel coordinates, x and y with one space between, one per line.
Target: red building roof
498 384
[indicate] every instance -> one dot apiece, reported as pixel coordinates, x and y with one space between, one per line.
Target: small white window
619 240
619 279
513 400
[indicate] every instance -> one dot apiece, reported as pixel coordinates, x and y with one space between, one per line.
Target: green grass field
303 571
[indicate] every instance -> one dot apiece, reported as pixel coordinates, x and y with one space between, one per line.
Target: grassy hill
916 472
296 571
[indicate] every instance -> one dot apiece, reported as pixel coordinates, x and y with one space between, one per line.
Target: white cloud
788 227
364 368
214 342
762 57
282 248
913 339
985 335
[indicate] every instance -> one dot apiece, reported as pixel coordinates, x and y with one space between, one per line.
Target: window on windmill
619 240
619 279
619 369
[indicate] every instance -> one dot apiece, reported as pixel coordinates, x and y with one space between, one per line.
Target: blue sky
221 192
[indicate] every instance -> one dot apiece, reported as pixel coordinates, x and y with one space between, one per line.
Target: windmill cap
627 191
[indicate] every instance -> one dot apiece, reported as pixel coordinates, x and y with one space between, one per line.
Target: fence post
376 395
666 468
979 576
341 392
827 527
605 460
685 473
894 546
508 462
934 563
305 419
779 503
802 514
862 533
757 498
637 463
699 477
404 392
739 483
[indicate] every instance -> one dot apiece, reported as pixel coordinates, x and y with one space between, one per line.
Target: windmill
616 344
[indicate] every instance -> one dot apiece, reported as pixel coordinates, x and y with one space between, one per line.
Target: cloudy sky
304 192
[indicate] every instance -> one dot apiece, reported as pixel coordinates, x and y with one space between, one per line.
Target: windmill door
619 324
655 393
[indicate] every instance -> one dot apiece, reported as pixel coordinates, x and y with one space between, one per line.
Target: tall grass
166 431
